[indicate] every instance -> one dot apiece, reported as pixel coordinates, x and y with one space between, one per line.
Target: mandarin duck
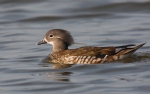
60 40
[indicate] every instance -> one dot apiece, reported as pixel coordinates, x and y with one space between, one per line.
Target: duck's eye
51 36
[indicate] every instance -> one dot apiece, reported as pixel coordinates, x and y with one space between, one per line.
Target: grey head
60 39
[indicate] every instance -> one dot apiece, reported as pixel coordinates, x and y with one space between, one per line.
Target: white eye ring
51 36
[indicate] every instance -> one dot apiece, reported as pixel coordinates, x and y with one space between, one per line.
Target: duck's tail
126 51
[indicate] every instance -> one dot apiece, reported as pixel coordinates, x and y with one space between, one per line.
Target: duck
61 39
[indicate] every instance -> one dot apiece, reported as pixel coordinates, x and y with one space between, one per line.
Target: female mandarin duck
61 39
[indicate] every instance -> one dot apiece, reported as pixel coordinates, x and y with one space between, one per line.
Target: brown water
23 23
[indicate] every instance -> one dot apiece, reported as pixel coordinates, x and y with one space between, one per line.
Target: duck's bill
42 42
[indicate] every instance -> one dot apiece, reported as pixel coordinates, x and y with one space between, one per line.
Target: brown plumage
61 39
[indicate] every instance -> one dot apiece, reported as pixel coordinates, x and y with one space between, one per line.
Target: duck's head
58 38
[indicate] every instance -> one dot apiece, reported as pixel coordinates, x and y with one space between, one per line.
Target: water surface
23 23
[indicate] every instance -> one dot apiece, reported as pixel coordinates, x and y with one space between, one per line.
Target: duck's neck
59 46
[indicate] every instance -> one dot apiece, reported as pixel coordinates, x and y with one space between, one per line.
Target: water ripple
102 23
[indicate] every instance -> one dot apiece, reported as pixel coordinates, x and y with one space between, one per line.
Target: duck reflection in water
60 66
60 76
60 73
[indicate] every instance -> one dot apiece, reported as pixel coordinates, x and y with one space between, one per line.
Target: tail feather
139 46
125 46
123 53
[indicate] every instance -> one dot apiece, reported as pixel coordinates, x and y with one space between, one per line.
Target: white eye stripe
52 36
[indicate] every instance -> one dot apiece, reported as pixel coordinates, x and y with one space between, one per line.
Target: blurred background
23 23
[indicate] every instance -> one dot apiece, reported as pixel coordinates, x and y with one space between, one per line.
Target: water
23 23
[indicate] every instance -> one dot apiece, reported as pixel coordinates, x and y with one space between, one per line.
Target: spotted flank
82 59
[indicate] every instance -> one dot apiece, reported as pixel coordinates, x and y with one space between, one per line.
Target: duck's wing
92 51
